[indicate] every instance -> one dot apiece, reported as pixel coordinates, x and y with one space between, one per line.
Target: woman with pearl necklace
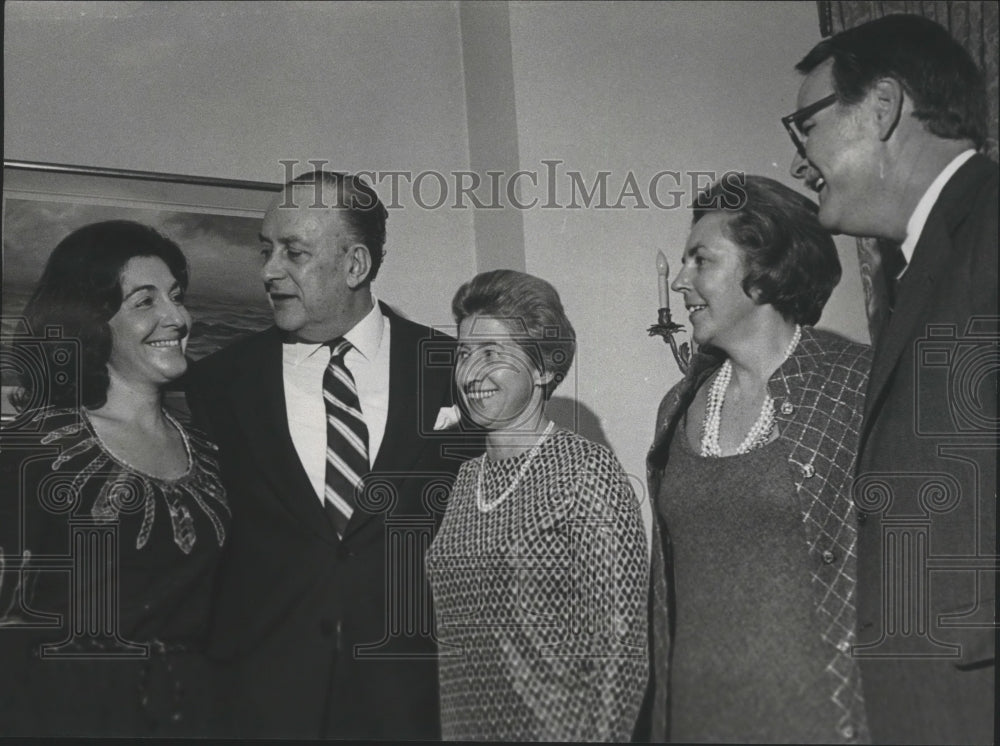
750 470
539 571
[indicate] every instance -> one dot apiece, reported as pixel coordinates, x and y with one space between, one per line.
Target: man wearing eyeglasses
891 116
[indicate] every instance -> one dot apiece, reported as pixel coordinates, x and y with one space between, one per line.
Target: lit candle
662 269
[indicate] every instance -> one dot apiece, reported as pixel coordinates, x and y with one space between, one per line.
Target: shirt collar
915 226
365 337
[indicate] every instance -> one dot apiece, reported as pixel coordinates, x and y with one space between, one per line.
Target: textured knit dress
744 537
748 662
540 599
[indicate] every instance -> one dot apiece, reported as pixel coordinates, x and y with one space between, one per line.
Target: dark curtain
974 25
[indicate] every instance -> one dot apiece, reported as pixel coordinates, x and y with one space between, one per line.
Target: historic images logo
954 410
549 187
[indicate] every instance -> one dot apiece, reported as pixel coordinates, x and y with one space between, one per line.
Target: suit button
828 557
327 627
343 552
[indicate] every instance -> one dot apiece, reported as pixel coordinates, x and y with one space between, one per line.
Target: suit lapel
403 413
915 292
265 424
401 444
913 296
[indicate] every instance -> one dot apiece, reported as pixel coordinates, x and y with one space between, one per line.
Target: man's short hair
363 211
948 90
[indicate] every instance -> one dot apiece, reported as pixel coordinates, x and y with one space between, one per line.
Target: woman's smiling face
149 331
711 280
499 384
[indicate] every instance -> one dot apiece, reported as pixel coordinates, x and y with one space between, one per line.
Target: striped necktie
346 438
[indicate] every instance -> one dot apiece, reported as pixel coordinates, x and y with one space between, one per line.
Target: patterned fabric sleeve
605 651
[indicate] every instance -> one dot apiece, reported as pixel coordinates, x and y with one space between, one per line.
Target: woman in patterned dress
113 515
539 571
751 472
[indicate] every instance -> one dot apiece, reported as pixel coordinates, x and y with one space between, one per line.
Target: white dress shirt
915 225
303 365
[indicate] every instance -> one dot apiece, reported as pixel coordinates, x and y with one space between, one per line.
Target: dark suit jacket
328 637
926 482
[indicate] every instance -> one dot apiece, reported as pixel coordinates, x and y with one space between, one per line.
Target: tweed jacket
819 398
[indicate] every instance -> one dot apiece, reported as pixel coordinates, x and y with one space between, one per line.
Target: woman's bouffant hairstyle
790 259
78 293
530 307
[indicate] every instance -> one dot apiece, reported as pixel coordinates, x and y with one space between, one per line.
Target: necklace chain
760 432
486 506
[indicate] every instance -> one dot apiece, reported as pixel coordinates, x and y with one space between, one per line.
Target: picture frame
215 221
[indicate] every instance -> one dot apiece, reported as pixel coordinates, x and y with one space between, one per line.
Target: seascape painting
225 296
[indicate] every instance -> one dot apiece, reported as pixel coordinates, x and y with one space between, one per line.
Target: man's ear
359 264
888 98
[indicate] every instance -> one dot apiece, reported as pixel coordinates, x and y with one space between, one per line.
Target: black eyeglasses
793 122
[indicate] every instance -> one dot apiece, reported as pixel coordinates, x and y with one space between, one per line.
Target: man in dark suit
323 613
891 114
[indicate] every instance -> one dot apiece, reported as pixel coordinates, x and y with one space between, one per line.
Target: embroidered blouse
169 532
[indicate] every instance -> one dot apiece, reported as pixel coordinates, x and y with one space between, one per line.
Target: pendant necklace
760 433
486 506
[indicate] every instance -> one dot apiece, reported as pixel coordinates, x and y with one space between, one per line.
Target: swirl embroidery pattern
126 490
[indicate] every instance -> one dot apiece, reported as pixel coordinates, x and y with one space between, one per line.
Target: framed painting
216 223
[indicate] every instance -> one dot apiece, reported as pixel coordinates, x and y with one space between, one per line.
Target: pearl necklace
487 506
760 433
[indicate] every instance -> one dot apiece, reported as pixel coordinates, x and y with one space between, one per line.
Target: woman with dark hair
114 514
751 470
539 571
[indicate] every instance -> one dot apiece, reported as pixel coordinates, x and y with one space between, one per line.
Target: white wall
645 87
229 89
